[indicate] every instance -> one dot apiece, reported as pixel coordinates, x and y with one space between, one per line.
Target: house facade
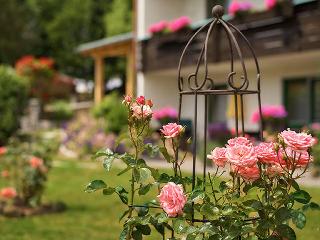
287 44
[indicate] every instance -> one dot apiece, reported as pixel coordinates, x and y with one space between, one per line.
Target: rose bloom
5 174
8 193
239 141
149 103
172 199
299 158
171 130
249 174
266 153
3 150
35 162
141 111
127 100
141 100
218 156
274 170
297 141
240 152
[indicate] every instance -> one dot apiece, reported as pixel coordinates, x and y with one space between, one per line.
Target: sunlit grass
94 216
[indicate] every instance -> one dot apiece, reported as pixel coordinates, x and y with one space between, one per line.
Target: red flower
141 100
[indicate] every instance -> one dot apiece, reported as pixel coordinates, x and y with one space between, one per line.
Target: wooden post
98 79
130 81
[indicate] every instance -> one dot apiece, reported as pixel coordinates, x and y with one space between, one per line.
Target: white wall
152 11
162 86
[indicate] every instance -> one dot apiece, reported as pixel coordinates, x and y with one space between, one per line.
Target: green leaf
223 186
163 178
122 193
124 171
178 225
299 219
283 214
144 229
143 190
142 211
124 233
162 217
123 214
152 150
209 210
301 196
108 191
311 205
104 153
137 235
286 232
144 174
95 185
165 154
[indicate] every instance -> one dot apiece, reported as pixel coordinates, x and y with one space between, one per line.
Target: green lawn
92 216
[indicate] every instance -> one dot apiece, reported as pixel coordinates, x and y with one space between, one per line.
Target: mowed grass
94 216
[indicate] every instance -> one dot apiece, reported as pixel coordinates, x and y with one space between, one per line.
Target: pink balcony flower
270 4
166 112
269 111
158 27
179 23
239 6
172 199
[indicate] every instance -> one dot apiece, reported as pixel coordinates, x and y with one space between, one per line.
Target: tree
119 18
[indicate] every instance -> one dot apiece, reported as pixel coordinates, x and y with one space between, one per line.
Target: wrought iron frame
196 87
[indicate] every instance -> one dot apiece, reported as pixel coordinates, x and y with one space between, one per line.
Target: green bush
13 98
60 110
113 112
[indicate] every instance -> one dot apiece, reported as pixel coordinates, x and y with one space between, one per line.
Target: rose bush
259 199
24 167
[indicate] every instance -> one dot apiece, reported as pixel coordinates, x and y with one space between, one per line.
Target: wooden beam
130 72
98 79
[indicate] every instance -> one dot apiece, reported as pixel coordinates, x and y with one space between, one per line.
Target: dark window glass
302 101
217 107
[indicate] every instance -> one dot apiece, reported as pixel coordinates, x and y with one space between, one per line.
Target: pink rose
239 141
172 199
241 155
141 111
266 153
171 130
5 174
274 170
251 173
8 193
298 158
36 162
218 156
127 100
149 103
141 100
297 141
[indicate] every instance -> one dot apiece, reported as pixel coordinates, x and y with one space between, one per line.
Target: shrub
60 110
13 96
25 163
113 112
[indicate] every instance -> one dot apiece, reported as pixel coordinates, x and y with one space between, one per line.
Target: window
302 100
